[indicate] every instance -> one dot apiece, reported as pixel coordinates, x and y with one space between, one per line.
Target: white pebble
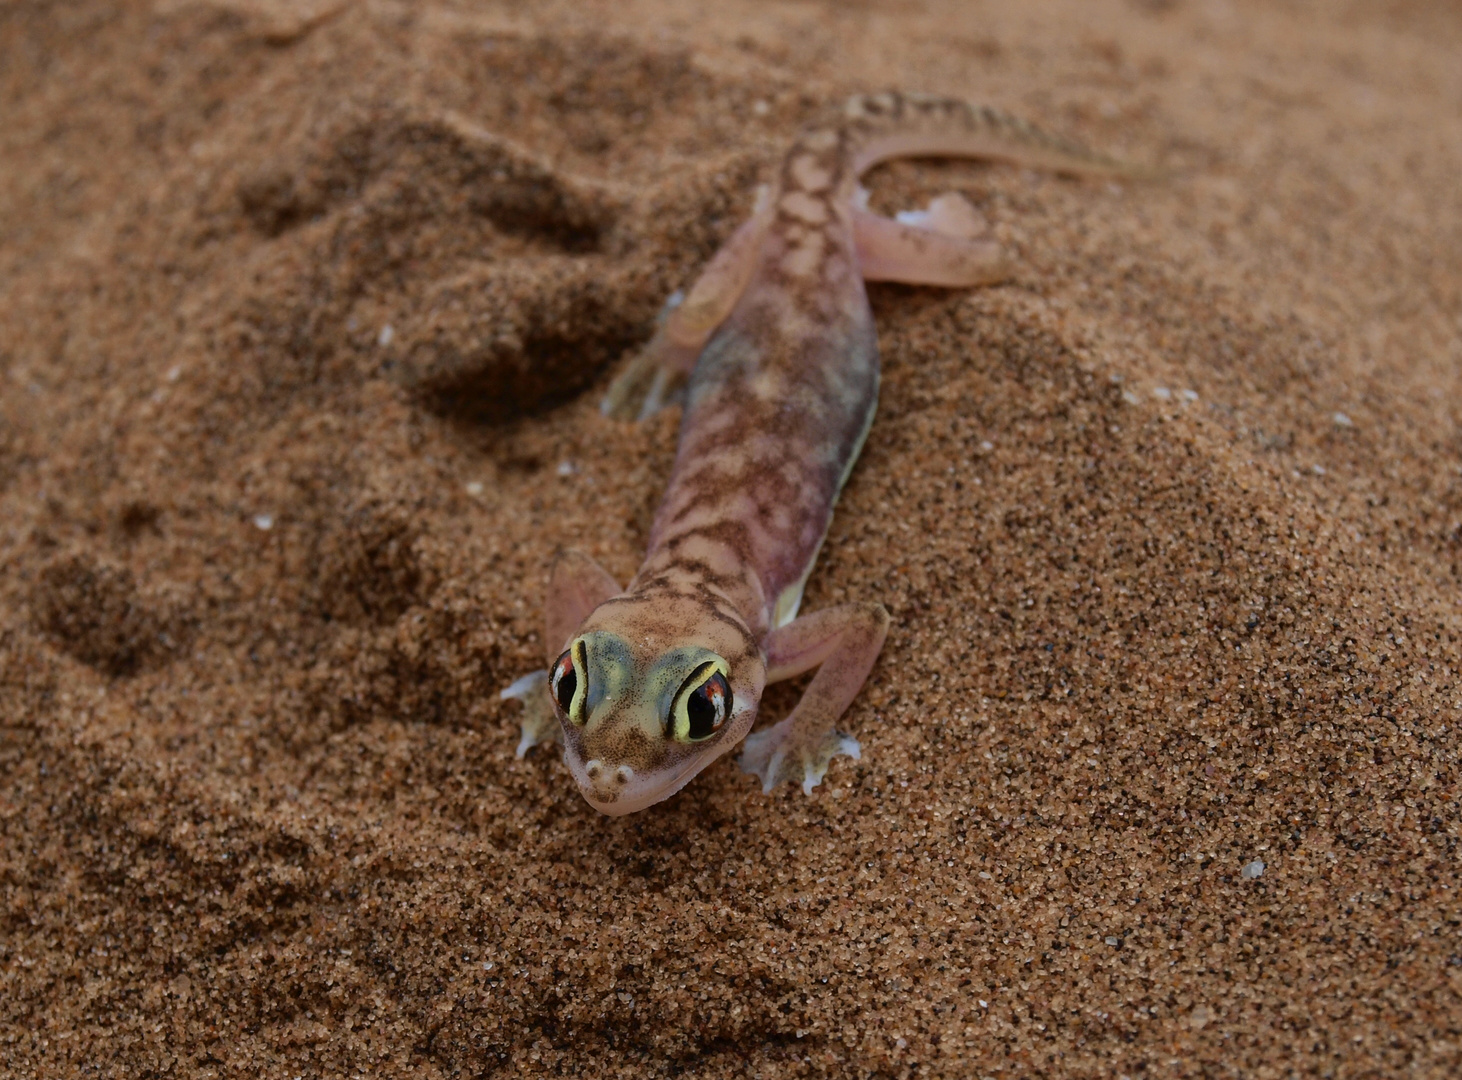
263 522
1162 393
1341 420
1253 869
567 468
175 373
761 108
1318 470
474 487
1188 395
1114 942
386 336
1129 397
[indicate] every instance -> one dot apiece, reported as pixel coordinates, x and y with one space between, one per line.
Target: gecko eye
702 705
569 682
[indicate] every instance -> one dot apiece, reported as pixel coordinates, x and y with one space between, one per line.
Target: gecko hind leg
656 377
842 643
946 245
950 214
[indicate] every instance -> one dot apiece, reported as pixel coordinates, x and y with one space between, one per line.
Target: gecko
774 358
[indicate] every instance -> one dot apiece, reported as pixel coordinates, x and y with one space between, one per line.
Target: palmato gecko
775 353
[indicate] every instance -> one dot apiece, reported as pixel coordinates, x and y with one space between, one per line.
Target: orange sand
307 308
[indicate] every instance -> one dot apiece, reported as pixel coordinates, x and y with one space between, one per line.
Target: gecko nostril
623 775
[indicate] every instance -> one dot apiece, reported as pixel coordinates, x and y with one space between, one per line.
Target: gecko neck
701 568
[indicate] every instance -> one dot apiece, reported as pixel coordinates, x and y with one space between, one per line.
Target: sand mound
307 312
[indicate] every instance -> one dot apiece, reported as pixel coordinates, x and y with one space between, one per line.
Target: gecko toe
653 379
540 724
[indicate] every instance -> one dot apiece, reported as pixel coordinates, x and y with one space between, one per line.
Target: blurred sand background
306 313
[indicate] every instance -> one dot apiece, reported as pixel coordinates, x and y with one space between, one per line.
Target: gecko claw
777 754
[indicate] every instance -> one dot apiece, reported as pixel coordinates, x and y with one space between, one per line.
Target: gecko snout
607 780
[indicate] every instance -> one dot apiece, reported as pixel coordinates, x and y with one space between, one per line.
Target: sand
307 309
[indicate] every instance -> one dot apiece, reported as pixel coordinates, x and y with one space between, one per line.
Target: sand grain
1160 616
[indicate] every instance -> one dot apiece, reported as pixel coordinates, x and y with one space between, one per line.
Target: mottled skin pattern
650 684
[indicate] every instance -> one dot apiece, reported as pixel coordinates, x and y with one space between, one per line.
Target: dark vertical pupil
707 706
568 684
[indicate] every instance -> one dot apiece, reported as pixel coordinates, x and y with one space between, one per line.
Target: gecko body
776 351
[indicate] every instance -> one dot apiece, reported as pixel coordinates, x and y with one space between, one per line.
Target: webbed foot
648 384
950 214
540 724
779 754
655 377
948 244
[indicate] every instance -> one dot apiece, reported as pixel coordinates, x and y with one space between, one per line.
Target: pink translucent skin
774 353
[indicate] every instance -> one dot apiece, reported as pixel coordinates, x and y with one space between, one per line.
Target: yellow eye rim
680 723
573 664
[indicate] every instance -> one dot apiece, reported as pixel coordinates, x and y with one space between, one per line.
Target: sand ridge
308 309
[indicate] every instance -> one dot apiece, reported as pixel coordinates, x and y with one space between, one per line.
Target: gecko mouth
617 787
605 782
616 790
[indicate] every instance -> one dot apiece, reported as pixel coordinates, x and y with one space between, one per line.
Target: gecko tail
892 125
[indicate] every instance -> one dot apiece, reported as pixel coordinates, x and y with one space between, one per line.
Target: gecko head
649 692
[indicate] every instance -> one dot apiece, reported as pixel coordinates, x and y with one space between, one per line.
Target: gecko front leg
576 586
842 643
